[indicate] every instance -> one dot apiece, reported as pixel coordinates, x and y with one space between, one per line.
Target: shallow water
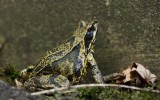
128 30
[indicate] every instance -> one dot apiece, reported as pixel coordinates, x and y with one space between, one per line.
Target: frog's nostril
96 21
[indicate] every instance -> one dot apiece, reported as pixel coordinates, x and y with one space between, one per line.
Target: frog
67 64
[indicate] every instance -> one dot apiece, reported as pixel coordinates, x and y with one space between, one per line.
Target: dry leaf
139 74
127 74
144 73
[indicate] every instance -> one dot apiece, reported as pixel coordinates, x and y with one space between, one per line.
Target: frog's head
90 35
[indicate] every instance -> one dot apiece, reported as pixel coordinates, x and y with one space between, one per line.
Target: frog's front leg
95 71
45 82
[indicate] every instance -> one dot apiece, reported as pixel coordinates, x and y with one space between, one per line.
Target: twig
95 85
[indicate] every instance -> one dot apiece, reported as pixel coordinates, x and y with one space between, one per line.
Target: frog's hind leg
45 82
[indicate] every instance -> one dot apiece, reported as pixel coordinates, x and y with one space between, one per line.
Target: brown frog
66 64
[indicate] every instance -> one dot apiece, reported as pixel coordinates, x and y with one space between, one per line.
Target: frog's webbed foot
44 82
95 71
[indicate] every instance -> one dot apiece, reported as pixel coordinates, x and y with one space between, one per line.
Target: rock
12 93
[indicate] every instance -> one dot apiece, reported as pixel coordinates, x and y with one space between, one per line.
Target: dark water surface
129 30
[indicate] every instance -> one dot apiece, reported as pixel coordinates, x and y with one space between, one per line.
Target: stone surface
128 30
12 93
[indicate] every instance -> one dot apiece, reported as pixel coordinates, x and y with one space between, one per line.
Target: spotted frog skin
66 64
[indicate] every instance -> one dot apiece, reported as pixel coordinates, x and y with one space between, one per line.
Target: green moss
110 93
10 73
92 93
114 93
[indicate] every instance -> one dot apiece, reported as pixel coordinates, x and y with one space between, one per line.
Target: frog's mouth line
90 37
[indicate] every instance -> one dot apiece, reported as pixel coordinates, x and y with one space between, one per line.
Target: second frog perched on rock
66 64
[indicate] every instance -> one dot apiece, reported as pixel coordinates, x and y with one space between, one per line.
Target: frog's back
60 51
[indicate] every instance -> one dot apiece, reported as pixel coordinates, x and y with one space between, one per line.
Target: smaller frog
66 64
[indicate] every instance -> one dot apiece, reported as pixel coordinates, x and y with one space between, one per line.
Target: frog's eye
82 24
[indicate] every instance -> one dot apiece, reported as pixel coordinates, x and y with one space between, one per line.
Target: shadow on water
129 30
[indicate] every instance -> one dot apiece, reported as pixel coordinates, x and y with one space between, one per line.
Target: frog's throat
59 52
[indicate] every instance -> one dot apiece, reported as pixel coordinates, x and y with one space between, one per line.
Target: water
128 30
